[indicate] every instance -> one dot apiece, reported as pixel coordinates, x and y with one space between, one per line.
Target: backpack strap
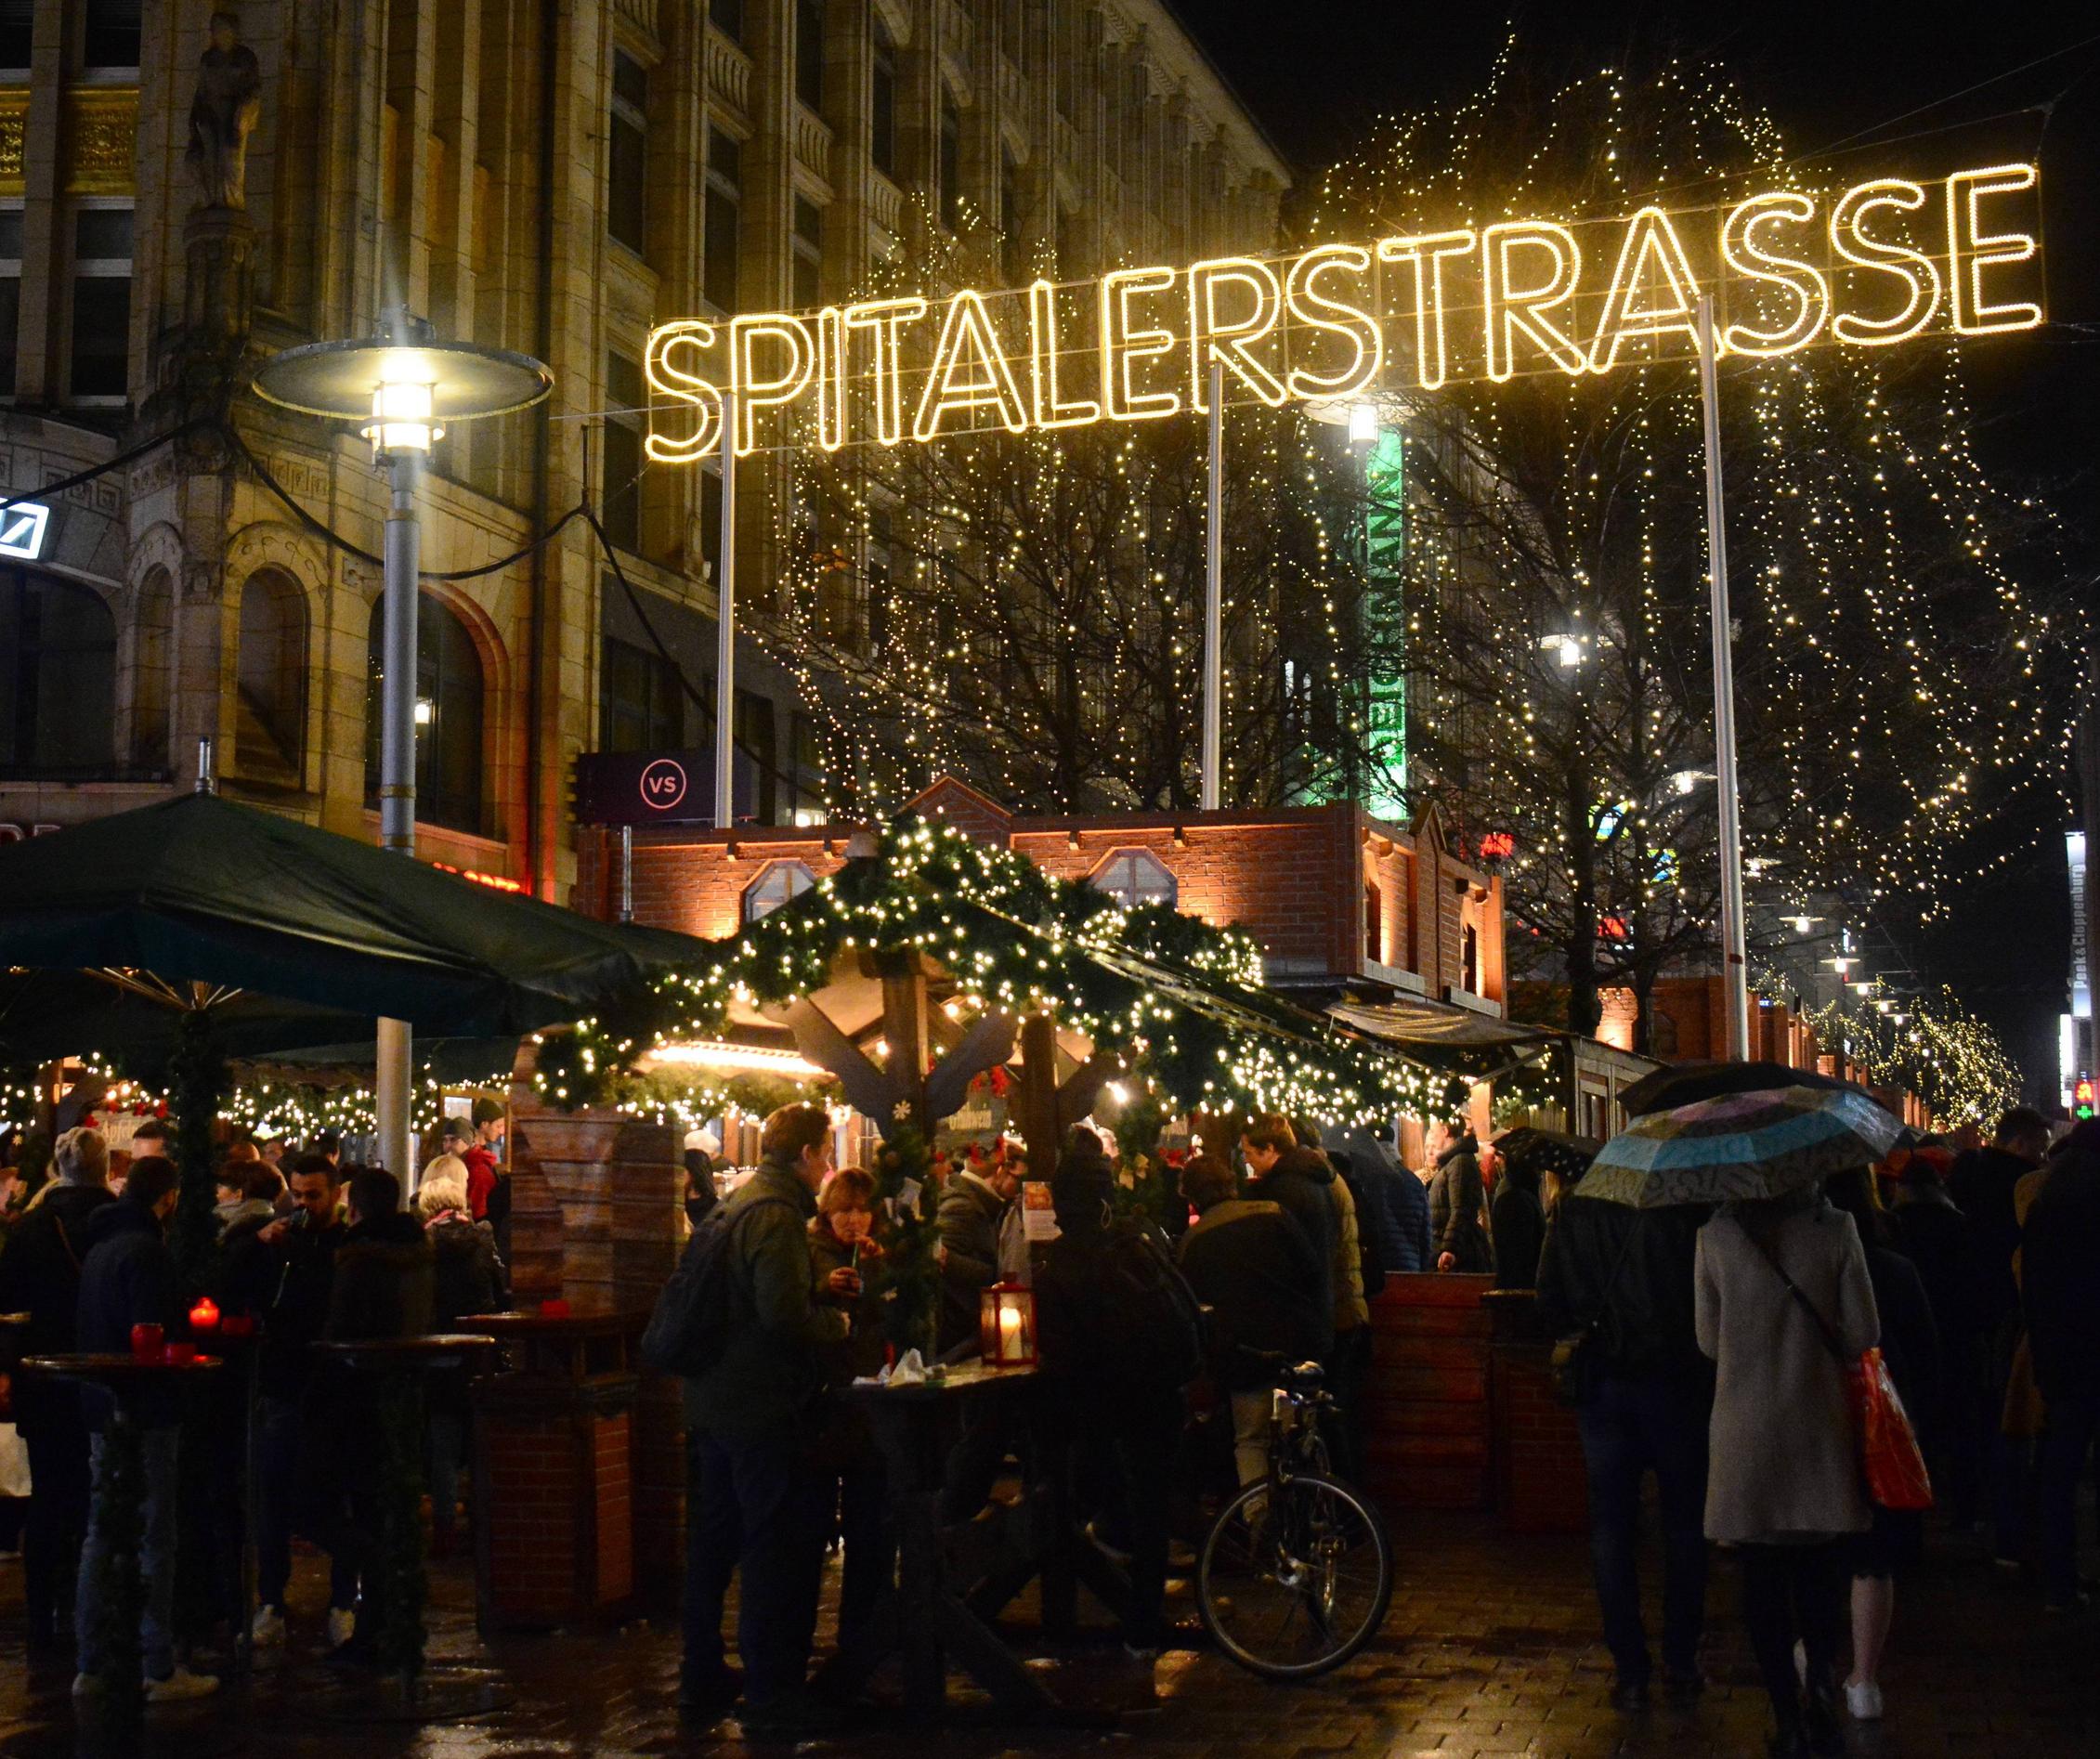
66 1245
1828 1333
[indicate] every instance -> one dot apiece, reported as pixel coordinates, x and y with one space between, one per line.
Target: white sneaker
268 1631
342 1625
179 1685
1864 1700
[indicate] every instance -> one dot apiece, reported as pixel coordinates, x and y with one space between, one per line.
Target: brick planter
1539 1481
1427 1412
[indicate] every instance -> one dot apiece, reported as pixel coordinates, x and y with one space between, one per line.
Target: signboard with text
655 788
1880 262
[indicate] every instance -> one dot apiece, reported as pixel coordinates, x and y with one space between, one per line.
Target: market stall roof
1442 1035
192 899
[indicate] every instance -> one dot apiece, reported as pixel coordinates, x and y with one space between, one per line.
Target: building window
152 640
882 105
758 755
17 34
1133 877
809 53
270 677
1374 926
641 707
1066 40
808 249
1012 258
951 162
727 15
779 882
448 715
620 492
880 565
1469 960
101 315
10 293
725 201
109 36
627 205
58 678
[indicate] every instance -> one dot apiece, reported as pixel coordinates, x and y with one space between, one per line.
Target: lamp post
404 387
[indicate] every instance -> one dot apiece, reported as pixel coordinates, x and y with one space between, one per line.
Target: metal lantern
1006 1326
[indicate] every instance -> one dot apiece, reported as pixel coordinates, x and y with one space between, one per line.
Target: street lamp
404 386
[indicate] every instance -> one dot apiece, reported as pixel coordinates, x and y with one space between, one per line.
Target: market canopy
201 902
995 938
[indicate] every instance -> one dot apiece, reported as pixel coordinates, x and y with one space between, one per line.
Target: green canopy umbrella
194 899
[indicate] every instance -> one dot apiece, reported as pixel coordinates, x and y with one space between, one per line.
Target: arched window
782 881
1133 877
269 737
447 718
58 678
152 663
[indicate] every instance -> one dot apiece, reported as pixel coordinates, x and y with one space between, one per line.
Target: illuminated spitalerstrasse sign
1871 265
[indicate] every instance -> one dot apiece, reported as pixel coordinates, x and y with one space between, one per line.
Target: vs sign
655 787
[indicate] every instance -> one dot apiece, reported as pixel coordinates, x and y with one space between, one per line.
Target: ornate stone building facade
182 193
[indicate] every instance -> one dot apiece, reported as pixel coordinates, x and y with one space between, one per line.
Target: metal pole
396 781
1735 972
1214 600
627 873
726 629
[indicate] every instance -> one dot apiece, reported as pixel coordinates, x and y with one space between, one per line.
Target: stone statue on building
222 115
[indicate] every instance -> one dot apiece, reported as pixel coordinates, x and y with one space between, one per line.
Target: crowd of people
1720 1343
307 1249
1160 1327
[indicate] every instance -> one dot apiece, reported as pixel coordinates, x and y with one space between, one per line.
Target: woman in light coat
1785 1486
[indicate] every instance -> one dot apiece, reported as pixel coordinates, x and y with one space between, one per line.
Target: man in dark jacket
40 1276
1394 1216
286 1275
1296 1180
1253 1267
974 1204
2060 1284
127 1279
1126 1402
1457 1196
1987 1461
1626 1275
754 1496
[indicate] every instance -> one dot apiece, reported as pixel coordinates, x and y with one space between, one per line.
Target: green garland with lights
1015 939
1931 1045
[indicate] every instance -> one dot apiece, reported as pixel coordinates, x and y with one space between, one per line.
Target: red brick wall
1294 878
1427 1414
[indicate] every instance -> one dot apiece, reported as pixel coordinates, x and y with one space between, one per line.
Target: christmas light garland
1015 940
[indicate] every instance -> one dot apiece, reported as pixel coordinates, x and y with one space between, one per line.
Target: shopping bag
14 1462
1888 1446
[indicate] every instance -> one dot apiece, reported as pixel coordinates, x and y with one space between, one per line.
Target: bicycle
1295 1573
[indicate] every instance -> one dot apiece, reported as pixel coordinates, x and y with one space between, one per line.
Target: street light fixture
403 386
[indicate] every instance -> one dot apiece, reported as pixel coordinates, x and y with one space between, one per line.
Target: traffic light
2081 1096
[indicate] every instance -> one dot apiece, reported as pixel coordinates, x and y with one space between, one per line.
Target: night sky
1938 85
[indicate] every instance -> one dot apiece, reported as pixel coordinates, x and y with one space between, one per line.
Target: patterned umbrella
1741 1145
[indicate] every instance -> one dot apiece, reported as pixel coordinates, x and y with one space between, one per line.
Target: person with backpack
742 1323
1252 1265
1119 1334
40 1276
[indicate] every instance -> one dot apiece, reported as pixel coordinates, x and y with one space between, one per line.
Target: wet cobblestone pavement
1489 1650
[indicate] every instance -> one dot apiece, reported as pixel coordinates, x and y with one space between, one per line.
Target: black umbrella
1681 1083
194 900
1526 1149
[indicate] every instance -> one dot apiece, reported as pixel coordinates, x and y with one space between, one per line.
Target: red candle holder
179 1355
204 1316
556 1308
146 1343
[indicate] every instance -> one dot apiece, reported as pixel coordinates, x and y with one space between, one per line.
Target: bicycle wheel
1296 1578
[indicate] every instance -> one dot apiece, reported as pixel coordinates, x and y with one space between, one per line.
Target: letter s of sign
664 364
1917 272
1744 253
